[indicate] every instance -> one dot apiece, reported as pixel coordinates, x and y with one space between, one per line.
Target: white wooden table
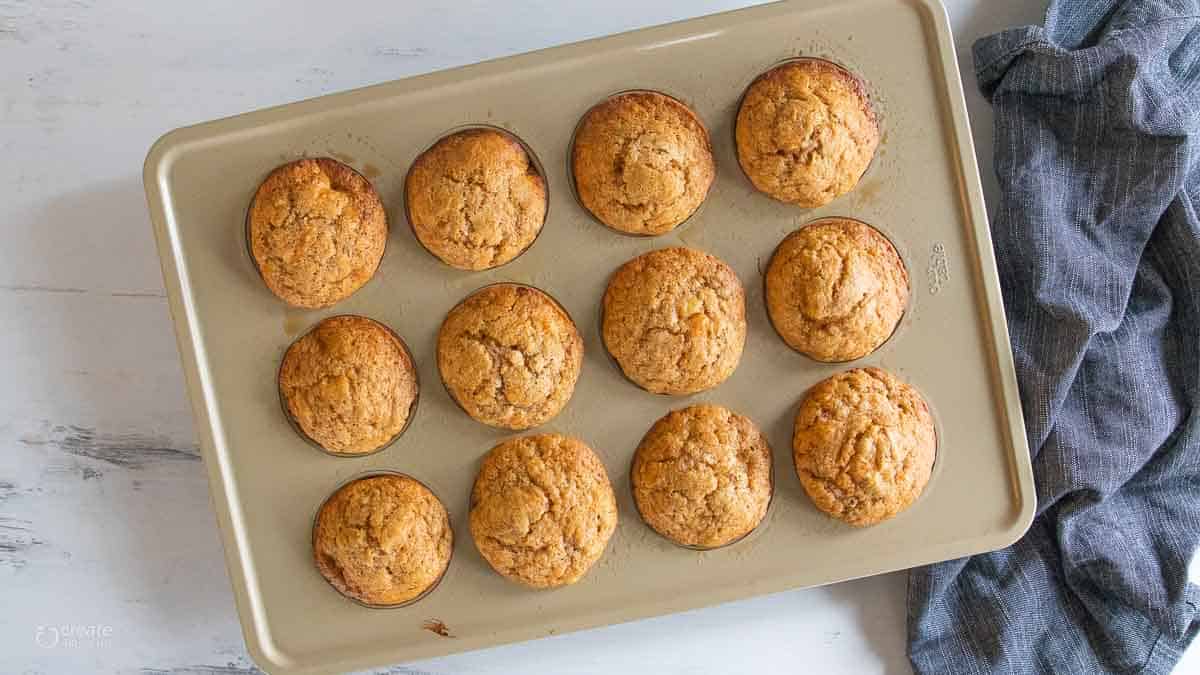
105 524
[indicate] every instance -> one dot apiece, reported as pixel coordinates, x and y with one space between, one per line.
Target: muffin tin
570 157
295 424
316 517
529 152
922 192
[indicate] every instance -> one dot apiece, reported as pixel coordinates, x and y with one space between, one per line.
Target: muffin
510 356
702 476
317 231
864 445
349 385
836 289
675 320
475 199
806 132
383 540
642 162
542 510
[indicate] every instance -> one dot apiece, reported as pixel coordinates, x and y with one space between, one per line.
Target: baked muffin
836 288
675 320
702 476
542 510
317 231
383 540
642 162
475 199
349 385
864 445
806 132
510 356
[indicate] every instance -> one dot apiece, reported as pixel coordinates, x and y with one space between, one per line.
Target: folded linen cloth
1097 237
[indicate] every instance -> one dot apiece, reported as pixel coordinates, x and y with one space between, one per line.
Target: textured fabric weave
1097 237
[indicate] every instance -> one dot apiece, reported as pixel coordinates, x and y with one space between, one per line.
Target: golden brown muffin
542 510
510 356
806 132
702 476
349 384
317 231
642 162
475 199
675 320
836 289
383 540
864 445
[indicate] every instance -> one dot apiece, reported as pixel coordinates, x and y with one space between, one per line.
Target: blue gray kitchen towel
1097 236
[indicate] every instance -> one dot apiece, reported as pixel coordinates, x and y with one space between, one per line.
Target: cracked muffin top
349 384
806 132
836 289
542 510
675 320
642 162
863 445
510 356
383 540
317 232
702 476
475 199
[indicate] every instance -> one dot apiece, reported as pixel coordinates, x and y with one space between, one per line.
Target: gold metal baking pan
922 191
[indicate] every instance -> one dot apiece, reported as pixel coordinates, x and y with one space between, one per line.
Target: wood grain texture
109 556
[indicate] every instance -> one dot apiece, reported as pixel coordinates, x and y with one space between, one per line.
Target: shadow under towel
1097 237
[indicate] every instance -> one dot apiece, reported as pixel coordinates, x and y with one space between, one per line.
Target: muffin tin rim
363 475
471 294
613 359
864 90
471 504
412 408
569 157
934 469
250 246
534 161
900 322
762 522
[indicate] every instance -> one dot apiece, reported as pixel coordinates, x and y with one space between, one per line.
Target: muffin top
675 320
864 445
702 476
317 232
382 540
642 162
836 289
806 132
510 356
542 510
349 384
475 199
